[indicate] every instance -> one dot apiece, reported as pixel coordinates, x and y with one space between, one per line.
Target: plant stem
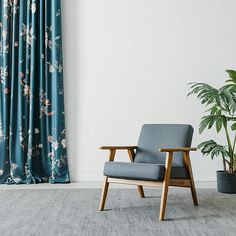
234 142
234 158
228 139
224 163
231 154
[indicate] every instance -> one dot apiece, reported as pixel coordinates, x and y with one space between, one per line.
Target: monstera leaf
213 119
212 148
205 93
232 75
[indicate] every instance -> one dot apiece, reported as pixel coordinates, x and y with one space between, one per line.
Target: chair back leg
104 194
139 187
140 191
165 187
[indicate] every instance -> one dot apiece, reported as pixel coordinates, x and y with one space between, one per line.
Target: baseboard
92 185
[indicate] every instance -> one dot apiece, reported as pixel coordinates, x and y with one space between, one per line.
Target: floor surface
74 212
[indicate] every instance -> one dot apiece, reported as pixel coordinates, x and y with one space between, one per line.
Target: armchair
161 159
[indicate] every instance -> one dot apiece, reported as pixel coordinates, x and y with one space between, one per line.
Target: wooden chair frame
167 181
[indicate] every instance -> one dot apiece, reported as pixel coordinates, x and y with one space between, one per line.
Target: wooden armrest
118 147
183 149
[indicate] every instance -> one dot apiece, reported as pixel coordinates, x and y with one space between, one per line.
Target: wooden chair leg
139 188
194 194
104 194
163 201
189 168
165 185
140 191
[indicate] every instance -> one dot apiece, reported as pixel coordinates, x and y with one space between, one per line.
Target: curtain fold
32 123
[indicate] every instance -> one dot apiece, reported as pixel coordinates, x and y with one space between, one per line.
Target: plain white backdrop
129 62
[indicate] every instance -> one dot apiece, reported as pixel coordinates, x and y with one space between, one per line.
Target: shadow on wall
71 75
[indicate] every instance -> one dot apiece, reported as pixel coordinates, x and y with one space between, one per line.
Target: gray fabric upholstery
142 171
134 170
155 136
149 163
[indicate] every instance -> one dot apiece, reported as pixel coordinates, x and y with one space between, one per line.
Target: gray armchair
150 166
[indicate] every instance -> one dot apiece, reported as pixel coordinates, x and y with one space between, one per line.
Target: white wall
128 62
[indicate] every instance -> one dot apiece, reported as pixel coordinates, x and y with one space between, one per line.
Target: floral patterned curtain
32 124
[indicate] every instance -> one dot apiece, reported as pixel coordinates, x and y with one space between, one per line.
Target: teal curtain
32 124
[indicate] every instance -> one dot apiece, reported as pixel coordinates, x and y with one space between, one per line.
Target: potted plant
221 114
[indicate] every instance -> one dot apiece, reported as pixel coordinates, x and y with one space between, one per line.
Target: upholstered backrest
155 136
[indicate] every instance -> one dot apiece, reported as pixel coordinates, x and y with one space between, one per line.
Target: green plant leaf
213 110
219 123
233 127
205 93
207 148
228 98
204 123
212 121
232 75
212 148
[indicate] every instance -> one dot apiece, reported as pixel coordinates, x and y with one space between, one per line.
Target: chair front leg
104 194
112 154
139 187
169 157
188 166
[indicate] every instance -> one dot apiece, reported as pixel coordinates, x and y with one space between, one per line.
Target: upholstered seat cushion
142 171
